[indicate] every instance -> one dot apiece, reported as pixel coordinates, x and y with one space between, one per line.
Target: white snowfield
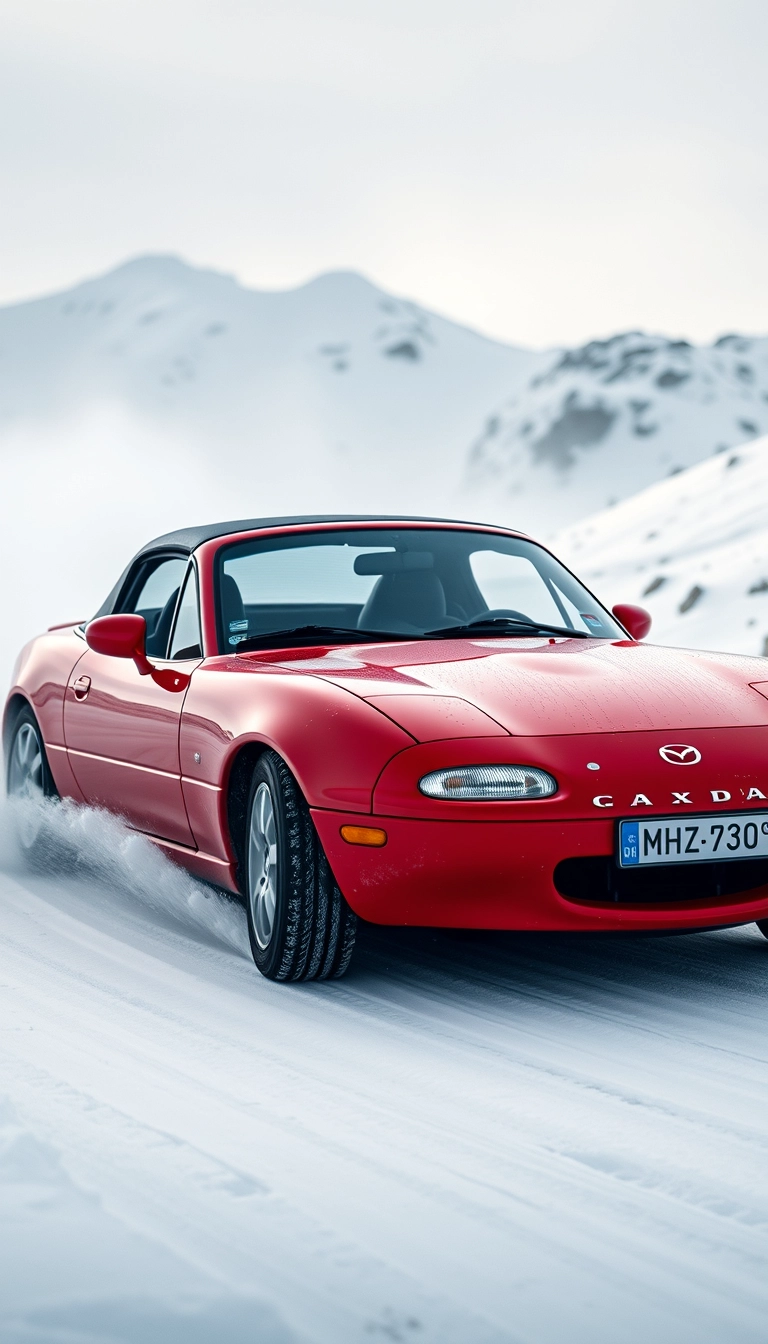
693 550
468 1140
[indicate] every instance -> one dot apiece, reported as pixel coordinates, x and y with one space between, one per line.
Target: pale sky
544 170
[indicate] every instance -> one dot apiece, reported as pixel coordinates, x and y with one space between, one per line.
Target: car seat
405 602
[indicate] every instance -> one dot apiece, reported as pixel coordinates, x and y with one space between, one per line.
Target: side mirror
634 619
120 636
125 636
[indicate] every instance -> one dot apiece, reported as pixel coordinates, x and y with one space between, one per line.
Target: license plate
663 840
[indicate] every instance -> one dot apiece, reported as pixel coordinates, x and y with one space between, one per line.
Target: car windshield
405 582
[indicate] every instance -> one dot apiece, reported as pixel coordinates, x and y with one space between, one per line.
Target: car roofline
188 539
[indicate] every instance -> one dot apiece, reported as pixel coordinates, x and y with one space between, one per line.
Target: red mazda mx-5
409 720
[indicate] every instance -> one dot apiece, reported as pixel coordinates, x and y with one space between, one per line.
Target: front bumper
499 875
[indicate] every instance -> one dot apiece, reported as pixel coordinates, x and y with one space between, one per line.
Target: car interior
407 597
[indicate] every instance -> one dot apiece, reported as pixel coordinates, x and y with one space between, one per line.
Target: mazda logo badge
677 753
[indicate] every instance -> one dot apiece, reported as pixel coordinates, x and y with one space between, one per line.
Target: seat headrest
413 600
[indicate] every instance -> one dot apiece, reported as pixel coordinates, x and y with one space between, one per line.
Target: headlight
478 782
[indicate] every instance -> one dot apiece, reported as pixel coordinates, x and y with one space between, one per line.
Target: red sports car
414 721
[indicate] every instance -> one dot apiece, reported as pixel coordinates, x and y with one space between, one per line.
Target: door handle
81 687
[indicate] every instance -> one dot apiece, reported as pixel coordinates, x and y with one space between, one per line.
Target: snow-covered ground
693 550
469 1139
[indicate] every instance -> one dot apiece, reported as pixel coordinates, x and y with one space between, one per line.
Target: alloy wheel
262 865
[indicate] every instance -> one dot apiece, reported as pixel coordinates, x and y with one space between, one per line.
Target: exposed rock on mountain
602 421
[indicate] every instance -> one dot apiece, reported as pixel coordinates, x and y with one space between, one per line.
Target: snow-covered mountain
693 550
335 391
338 394
600 422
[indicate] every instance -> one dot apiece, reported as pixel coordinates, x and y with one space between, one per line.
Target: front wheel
299 925
762 925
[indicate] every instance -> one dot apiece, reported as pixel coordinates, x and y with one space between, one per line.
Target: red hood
531 687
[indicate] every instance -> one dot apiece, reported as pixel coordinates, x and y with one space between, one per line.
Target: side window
187 640
153 595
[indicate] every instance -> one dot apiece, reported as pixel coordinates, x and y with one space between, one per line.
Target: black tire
311 934
28 776
762 925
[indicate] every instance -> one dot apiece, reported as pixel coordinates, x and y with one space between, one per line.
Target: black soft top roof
189 538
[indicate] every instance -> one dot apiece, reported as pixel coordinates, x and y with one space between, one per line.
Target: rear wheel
28 778
762 925
299 924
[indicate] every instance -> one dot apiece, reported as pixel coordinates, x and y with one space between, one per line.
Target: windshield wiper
499 624
317 634
299 635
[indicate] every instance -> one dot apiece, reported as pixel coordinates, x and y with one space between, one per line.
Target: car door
122 729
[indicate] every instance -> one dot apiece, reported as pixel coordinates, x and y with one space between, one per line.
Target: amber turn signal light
364 835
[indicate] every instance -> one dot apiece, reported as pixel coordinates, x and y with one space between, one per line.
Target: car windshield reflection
398 583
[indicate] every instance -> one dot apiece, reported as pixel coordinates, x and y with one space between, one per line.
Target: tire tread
319 928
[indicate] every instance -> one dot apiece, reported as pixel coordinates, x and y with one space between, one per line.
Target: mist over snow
79 496
693 550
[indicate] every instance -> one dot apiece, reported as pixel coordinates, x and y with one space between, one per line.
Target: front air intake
599 880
